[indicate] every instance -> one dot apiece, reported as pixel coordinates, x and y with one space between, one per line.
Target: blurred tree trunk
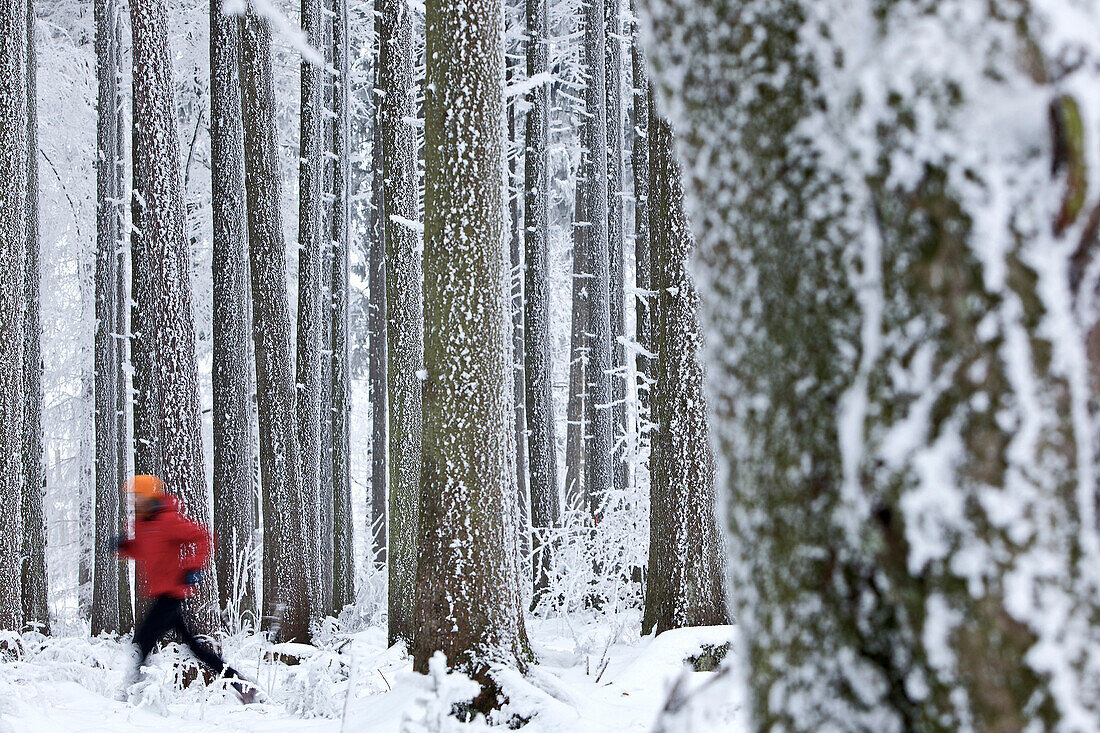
234 461
404 311
36 610
906 450
285 526
467 586
13 241
685 582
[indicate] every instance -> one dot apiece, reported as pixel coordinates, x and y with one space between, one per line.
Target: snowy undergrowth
593 674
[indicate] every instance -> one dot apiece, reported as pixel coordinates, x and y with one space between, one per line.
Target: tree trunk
616 233
286 578
234 463
640 165
13 240
684 583
467 588
541 444
599 443
343 550
404 311
168 265
310 265
105 615
905 448
377 317
576 408
35 596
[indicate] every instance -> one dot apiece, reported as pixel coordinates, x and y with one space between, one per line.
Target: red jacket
166 547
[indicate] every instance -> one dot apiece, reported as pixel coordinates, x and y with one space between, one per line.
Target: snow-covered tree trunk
13 234
467 587
685 581
343 550
404 310
542 456
34 588
616 231
168 265
286 576
576 412
234 463
640 169
599 437
310 264
105 577
899 386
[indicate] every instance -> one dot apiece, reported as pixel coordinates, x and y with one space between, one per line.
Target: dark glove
116 543
192 577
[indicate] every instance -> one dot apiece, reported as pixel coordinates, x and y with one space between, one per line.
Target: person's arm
194 534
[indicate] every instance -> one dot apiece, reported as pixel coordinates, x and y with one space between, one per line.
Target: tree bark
13 241
616 232
286 578
541 444
685 584
404 312
640 164
105 616
310 265
34 587
467 588
576 408
234 461
343 551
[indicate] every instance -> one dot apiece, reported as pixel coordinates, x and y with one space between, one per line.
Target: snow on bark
234 451
286 578
13 233
467 588
105 577
34 582
616 231
541 444
685 584
640 168
167 263
343 551
898 383
404 311
576 407
310 265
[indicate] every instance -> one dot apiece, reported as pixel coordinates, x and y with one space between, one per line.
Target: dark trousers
166 614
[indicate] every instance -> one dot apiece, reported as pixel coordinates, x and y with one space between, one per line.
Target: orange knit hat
148 487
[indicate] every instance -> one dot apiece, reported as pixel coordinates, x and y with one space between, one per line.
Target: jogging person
170 550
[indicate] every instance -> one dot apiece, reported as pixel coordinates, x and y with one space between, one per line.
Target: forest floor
592 675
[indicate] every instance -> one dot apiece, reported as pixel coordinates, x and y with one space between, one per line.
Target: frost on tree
343 551
684 584
167 265
234 462
13 232
599 434
404 309
34 587
467 586
542 457
898 381
310 267
286 578
616 231
639 163
106 569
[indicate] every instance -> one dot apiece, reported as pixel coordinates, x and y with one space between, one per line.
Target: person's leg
203 653
161 617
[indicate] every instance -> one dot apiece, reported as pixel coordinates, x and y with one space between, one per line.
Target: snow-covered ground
593 676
